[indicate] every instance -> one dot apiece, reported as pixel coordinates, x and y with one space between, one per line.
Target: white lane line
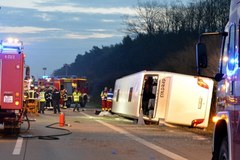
142 141
18 146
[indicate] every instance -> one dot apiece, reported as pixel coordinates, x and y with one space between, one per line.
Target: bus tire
224 153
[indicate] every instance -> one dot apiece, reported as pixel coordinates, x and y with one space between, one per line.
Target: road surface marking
199 138
142 141
18 146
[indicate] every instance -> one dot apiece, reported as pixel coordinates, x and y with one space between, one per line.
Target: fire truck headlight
16 111
215 119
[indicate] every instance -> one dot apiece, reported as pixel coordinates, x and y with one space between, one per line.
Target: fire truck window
231 48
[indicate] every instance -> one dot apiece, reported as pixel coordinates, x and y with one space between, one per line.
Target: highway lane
105 138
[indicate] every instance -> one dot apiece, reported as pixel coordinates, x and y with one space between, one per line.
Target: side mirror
27 72
202 60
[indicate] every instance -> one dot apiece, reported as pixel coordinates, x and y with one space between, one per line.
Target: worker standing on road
83 100
109 99
62 99
65 98
42 100
56 101
76 100
32 94
48 97
104 98
32 100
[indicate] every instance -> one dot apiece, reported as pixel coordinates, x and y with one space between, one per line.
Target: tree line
160 37
174 17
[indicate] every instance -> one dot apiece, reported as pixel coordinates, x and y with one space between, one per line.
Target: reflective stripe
31 94
109 96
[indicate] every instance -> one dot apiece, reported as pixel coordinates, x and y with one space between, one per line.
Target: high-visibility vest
31 94
76 96
104 95
42 96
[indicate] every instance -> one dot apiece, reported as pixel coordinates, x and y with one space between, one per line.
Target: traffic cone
61 119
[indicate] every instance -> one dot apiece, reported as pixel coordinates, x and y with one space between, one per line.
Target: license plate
8 99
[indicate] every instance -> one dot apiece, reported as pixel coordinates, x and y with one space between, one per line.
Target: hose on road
49 137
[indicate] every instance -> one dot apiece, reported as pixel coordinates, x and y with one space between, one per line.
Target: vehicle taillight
17 99
17 103
196 122
17 94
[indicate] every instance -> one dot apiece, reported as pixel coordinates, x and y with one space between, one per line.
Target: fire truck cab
11 84
226 134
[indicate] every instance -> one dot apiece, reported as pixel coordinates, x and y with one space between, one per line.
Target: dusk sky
54 32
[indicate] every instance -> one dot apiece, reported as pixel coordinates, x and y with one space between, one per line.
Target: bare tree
190 17
147 19
200 16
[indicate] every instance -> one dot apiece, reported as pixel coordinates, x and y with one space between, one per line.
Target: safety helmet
32 86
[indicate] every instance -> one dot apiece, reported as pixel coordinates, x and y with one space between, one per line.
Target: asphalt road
94 137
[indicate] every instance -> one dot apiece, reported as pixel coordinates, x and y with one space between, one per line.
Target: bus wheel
223 154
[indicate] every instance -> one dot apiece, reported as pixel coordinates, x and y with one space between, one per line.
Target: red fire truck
226 135
71 83
11 84
68 83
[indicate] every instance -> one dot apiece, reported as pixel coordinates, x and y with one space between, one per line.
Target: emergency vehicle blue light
232 66
232 61
11 46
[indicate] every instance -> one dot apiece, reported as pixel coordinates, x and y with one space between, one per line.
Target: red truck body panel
11 81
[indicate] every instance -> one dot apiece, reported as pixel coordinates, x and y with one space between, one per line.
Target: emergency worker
76 100
65 98
37 91
109 99
104 98
61 97
83 100
48 97
32 94
56 101
31 101
42 100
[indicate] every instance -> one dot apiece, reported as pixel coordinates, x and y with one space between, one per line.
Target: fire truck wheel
223 154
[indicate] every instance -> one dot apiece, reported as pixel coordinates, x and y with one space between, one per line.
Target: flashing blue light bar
10 45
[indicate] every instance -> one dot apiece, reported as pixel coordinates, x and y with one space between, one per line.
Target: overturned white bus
174 98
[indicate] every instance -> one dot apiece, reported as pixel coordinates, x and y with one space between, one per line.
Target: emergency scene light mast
11 84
